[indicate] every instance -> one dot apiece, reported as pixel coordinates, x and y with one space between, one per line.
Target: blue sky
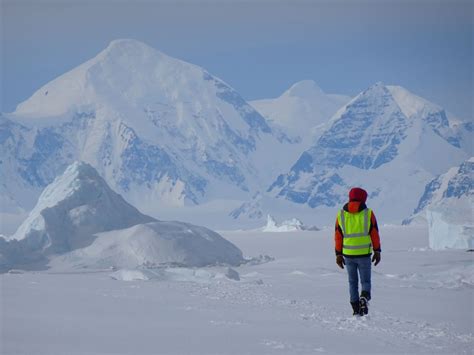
258 47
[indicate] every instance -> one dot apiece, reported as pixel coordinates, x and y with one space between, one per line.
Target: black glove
376 257
340 261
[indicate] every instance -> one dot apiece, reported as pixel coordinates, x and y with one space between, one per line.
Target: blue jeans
355 267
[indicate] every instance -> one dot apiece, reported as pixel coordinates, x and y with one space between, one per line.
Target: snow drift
152 245
196 275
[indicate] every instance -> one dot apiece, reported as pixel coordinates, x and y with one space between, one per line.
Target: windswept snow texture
382 139
152 245
177 274
296 304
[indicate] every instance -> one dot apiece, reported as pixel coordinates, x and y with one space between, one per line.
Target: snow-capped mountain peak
157 128
126 69
409 103
382 138
76 177
304 89
455 184
129 74
127 47
301 108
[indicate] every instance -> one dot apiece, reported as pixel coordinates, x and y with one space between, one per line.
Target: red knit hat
357 194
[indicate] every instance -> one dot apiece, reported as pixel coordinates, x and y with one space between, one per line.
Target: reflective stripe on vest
355 232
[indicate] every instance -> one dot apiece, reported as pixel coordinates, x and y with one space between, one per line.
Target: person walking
356 236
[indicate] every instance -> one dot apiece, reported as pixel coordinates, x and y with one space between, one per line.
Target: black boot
366 295
355 308
364 303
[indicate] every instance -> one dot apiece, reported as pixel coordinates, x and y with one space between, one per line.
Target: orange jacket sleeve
374 233
338 238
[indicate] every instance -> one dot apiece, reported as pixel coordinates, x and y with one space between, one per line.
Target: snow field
294 304
151 245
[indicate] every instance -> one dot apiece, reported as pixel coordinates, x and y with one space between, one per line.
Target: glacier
451 224
447 206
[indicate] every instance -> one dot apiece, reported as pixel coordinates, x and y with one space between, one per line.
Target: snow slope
151 245
456 131
465 131
455 184
159 130
448 204
301 108
296 304
20 185
383 140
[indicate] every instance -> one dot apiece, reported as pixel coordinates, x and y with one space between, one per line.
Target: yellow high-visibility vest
355 232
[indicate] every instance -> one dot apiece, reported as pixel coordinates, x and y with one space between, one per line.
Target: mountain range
172 138
159 130
384 140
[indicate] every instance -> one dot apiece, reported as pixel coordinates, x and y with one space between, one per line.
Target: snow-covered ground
295 302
